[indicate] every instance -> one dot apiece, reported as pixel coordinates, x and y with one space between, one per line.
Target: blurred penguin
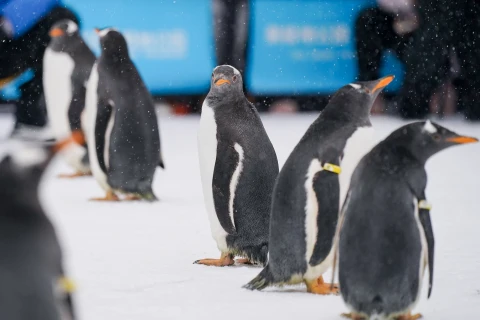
34 285
67 64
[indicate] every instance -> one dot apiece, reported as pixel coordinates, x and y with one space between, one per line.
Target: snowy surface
134 260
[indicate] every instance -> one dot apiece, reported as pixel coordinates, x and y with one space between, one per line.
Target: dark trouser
447 27
374 35
231 30
18 55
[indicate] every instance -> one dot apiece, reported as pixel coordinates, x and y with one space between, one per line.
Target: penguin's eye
436 137
234 78
212 74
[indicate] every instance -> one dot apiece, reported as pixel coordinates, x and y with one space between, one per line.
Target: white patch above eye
71 27
355 86
235 71
429 127
104 32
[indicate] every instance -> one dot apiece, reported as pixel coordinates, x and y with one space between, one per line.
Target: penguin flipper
77 105
101 122
424 215
326 185
223 174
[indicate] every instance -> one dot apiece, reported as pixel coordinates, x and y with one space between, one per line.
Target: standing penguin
386 238
238 169
33 281
67 64
307 193
122 128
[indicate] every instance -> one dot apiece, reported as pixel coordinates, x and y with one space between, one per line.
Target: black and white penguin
121 123
238 169
34 284
386 237
308 191
67 64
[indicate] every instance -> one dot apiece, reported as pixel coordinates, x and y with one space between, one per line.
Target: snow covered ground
134 260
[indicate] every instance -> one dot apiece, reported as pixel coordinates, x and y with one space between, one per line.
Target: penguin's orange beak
97 31
56 32
383 83
77 137
220 82
462 140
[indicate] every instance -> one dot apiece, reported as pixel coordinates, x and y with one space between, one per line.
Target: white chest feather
424 251
57 83
359 144
207 153
311 207
311 227
89 128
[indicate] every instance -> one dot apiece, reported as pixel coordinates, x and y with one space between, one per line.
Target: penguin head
426 138
22 166
226 80
112 42
21 170
355 100
63 30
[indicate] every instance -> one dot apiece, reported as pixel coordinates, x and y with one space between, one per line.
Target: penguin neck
403 151
220 100
116 62
67 45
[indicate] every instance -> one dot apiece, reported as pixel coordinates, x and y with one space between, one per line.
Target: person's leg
29 50
224 24
373 35
426 61
467 46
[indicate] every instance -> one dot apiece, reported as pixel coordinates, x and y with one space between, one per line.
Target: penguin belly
311 226
89 127
207 151
357 145
57 83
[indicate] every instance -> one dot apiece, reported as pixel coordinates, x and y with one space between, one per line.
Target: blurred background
293 54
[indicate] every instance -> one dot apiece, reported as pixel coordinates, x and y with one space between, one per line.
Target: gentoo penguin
238 169
307 194
34 284
67 64
386 238
122 129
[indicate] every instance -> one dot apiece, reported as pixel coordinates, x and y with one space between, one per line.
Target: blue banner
171 42
304 47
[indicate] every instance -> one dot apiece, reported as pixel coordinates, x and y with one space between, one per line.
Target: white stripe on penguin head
429 127
71 27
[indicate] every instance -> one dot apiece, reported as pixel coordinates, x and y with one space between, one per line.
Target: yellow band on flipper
332 168
67 284
423 204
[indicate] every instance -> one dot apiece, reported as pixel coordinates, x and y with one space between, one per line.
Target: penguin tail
149 196
260 282
161 164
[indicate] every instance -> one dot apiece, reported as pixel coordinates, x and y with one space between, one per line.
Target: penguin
238 167
34 282
385 237
121 124
308 191
67 64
